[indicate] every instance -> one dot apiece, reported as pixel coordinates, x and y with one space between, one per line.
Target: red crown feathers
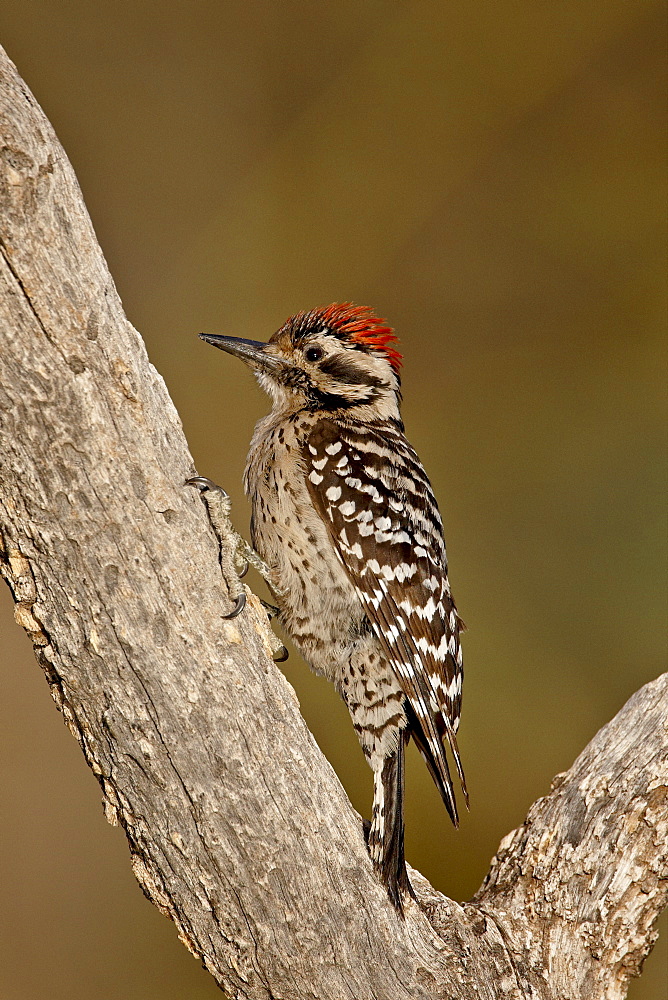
357 324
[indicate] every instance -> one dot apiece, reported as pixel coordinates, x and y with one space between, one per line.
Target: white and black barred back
345 517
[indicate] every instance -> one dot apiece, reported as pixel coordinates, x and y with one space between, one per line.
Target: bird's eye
314 354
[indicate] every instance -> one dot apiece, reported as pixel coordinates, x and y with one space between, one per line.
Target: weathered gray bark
238 828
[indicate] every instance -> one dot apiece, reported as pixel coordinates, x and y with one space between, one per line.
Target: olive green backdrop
489 176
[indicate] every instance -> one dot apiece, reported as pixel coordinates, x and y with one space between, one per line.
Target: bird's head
337 358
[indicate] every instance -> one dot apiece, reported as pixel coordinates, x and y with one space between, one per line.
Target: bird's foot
280 653
235 554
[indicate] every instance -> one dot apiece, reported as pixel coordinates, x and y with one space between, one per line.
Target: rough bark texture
238 828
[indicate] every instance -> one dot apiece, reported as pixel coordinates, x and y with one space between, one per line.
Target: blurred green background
490 178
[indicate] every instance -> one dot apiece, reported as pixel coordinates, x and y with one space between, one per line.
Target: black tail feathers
386 831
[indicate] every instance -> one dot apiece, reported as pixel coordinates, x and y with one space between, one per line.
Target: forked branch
238 828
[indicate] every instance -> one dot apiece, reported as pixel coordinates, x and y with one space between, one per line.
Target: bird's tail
386 835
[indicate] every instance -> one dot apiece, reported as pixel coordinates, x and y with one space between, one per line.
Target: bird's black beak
253 352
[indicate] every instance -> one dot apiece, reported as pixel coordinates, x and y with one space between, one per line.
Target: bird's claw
217 501
240 604
271 609
202 483
234 552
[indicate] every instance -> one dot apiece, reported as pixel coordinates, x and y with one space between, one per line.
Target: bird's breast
319 606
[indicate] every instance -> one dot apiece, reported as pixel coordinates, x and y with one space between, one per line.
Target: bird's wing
372 492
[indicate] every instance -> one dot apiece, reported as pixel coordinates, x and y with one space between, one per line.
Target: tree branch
238 828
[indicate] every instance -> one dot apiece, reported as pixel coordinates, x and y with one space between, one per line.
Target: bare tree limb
238 828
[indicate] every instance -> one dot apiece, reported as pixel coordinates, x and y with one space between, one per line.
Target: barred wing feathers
371 490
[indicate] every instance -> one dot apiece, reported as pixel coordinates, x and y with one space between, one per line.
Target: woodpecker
345 521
